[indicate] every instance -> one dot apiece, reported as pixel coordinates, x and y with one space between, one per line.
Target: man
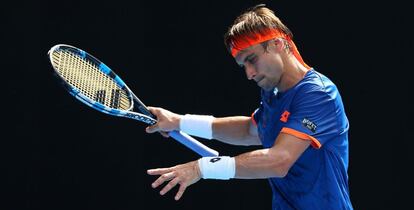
301 124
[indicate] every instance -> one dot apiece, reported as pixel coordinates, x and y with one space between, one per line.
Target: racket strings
90 80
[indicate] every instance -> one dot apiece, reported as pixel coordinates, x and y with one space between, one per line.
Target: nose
250 72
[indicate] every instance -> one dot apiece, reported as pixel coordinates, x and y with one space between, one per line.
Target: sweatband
197 125
244 41
222 167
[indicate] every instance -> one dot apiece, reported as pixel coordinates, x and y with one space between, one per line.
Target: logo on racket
100 97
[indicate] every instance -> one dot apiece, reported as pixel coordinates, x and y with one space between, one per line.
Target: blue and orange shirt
312 110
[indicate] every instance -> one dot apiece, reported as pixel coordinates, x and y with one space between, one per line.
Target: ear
279 44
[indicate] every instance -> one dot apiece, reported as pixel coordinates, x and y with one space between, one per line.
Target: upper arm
288 148
271 162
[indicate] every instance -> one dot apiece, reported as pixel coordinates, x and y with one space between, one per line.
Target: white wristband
197 125
222 167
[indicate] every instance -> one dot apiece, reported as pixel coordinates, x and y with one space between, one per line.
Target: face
264 67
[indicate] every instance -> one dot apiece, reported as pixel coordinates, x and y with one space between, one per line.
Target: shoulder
315 89
317 83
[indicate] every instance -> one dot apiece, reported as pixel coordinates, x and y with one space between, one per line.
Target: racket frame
147 117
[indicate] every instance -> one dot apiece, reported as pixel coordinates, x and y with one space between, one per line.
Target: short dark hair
254 20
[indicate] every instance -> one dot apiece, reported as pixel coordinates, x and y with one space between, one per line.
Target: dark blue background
59 154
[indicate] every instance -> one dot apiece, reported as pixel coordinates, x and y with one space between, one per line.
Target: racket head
92 82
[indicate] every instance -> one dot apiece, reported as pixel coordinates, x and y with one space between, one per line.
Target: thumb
152 128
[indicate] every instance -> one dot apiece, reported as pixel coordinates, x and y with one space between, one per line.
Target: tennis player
300 122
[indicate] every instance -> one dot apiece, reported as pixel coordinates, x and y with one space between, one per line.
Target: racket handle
193 144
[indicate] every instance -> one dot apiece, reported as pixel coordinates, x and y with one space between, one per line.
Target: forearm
235 130
263 163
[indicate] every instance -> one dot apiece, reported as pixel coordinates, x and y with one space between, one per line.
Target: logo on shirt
284 117
309 125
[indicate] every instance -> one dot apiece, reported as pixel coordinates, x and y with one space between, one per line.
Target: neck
294 72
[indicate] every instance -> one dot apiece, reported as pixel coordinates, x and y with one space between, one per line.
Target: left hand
167 121
184 175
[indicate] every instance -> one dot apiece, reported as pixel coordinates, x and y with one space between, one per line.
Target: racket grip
193 144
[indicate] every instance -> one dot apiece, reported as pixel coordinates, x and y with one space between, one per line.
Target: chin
265 85
267 88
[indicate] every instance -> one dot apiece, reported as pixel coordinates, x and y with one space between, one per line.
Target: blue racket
96 85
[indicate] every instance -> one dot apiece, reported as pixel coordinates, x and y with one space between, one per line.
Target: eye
252 59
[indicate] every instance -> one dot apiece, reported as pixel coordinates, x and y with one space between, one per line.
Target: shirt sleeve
312 116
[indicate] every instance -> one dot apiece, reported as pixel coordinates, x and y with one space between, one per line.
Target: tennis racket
96 85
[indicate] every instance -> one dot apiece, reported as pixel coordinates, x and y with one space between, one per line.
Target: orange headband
246 41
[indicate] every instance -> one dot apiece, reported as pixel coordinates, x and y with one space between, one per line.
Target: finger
152 128
169 186
162 179
153 110
158 171
150 108
180 192
165 134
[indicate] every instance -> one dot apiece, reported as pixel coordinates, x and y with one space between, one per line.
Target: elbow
283 173
282 163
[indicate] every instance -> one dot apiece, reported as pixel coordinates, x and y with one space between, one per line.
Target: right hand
167 121
183 175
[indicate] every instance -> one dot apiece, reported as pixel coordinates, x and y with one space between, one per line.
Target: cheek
268 68
263 66
270 60
275 65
